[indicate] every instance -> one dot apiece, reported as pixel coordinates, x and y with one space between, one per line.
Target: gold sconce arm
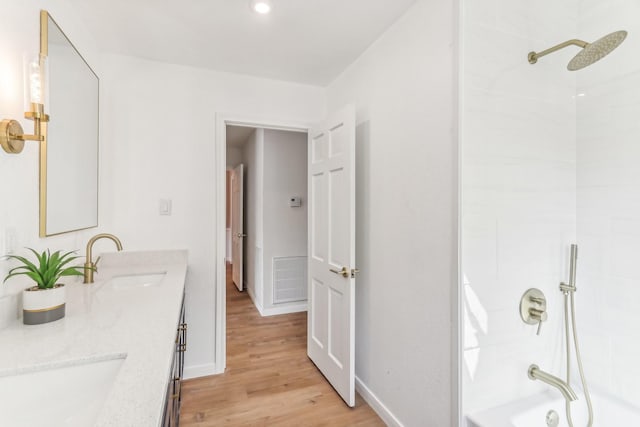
12 136
30 137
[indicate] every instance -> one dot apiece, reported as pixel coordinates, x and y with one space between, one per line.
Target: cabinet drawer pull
176 395
182 330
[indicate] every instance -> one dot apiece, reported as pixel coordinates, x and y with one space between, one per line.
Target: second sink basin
135 281
61 396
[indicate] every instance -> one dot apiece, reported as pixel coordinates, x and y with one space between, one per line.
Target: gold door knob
344 272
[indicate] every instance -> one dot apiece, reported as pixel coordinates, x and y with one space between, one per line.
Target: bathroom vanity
117 357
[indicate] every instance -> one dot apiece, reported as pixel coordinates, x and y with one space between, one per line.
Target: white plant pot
43 305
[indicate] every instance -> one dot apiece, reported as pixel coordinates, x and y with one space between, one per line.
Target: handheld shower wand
571 287
570 311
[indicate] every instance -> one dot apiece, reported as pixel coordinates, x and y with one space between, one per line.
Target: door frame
222 121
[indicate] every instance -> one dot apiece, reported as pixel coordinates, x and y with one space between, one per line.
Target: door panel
338 229
337 339
318 217
319 148
237 225
331 317
319 321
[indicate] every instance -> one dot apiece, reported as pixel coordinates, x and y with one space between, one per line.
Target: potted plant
45 302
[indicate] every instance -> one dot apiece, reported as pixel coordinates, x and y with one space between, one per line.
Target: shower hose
568 296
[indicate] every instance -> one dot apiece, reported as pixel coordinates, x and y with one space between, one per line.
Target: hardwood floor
269 380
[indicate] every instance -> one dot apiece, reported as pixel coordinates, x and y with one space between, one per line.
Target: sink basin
64 396
133 281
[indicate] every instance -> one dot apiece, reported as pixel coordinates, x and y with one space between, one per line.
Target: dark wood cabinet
173 396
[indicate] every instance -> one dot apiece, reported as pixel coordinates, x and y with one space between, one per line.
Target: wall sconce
12 137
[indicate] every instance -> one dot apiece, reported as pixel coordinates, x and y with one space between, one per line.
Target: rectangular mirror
69 153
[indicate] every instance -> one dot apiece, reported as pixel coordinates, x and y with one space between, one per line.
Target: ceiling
304 41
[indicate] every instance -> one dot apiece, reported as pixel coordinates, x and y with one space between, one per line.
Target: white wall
234 156
253 159
275 169
608 208
158 137
403 87
19 197
285 228
518 193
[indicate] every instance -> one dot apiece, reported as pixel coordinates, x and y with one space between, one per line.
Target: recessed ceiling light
261 6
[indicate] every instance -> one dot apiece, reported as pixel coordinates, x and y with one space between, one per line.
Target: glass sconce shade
35 82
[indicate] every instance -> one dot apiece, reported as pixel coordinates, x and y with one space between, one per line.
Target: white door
237 224
331 316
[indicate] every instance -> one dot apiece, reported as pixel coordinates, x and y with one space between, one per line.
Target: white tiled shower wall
608 202
519 191
549 157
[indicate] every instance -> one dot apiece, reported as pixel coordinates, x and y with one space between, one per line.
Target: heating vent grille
289 279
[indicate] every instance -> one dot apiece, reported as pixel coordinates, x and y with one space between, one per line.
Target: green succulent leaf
27 264
71 272
47 269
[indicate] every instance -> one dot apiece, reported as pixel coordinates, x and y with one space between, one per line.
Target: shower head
597 50
590 53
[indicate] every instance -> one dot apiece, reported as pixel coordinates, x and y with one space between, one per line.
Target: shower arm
533 56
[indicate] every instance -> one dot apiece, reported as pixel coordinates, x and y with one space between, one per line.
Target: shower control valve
533 308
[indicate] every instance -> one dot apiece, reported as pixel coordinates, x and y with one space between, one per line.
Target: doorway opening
330 280
266 217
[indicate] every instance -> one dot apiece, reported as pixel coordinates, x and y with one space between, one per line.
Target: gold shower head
590 53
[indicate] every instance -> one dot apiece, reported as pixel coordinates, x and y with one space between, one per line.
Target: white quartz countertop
103 322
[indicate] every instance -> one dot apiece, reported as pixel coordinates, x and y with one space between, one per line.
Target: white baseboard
274 311
255 302
376 404
200 371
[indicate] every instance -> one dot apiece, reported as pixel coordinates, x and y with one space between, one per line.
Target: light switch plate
164 207
10 240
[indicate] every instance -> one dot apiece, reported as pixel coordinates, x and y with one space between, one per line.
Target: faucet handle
538 300
533 308
540 316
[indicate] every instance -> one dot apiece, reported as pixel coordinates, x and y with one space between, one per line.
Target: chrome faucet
89 265
535 373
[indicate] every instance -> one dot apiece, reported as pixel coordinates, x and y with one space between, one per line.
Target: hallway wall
285 227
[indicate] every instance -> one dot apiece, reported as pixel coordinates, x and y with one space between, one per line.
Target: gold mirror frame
44 51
